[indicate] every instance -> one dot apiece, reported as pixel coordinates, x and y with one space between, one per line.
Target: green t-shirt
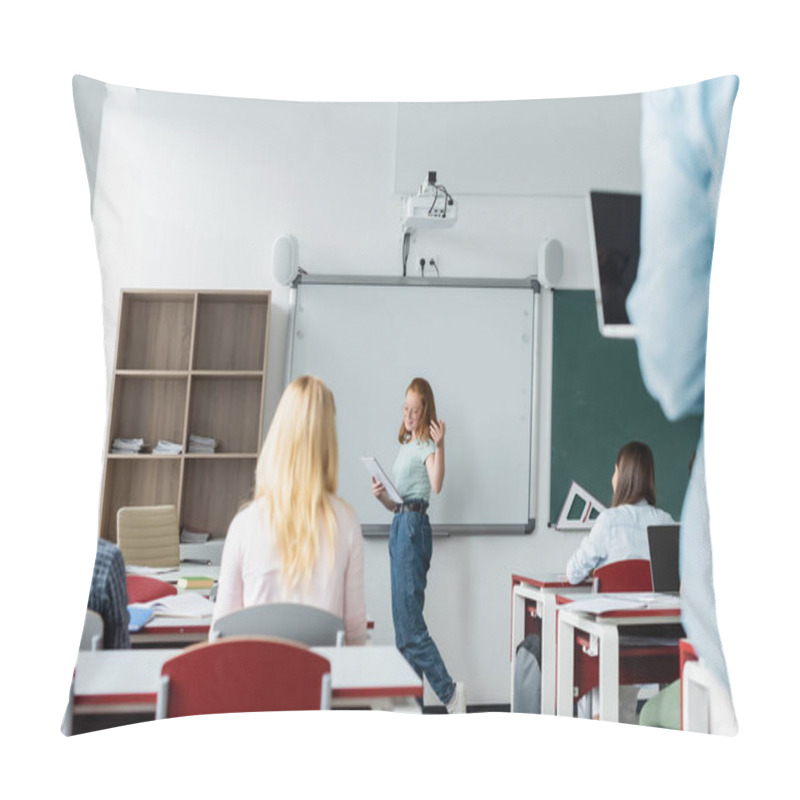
410 472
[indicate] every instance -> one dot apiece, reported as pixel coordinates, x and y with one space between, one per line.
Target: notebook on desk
139 617
664 557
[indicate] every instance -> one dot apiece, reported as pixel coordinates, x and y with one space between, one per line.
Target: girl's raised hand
377 488
437 432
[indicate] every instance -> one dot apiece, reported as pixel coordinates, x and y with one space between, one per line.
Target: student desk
171 632
164 631
186 569
533 609
175 631
179 632
126 681
603 628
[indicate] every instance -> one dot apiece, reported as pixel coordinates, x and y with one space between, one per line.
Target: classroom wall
326 174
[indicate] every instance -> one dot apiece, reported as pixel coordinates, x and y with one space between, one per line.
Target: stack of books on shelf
168 448
201 444
127 446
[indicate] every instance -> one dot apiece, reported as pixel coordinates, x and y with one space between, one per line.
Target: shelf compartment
148 408
133 481
228 410
231 331
214 490
155 331
187 361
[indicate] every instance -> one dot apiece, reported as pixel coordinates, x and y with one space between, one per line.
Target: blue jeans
410 546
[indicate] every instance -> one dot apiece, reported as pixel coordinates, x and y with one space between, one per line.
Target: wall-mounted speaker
551 262
285 254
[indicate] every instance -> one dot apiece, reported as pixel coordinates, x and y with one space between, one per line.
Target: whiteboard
474 343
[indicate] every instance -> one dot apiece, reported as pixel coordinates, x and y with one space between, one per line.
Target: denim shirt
618 534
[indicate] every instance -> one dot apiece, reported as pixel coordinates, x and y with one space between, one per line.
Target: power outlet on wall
428 264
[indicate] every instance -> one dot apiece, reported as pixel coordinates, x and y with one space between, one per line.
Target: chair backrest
310 625
630 575
92 636
243 674
143 588
149 536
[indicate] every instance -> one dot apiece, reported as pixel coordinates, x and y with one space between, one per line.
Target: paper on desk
374 468
598 604
653 599
135 569
183 604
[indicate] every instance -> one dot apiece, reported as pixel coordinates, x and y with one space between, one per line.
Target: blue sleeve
684 138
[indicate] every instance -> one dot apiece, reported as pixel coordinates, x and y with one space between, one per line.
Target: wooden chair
243 674
93 628
149 536
143 589
296 622
631 575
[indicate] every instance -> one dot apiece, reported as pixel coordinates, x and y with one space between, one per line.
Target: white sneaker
458 702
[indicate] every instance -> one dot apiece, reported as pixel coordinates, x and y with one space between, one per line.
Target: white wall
192 193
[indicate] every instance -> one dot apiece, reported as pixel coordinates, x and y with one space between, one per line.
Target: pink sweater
250 572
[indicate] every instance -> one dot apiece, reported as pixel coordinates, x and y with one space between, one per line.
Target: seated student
620 532
108 595
297 541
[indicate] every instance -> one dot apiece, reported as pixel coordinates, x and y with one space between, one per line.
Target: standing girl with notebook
418 470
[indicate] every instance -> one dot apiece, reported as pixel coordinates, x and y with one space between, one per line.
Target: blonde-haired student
418 470
297 541
620 532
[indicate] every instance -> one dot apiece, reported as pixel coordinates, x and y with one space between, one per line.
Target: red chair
631 575
687 653
644 662
143 589
238 674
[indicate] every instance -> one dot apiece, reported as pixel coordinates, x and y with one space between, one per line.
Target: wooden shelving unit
188 362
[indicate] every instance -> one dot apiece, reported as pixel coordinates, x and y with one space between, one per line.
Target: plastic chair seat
296 622
143 589
241 674
149 536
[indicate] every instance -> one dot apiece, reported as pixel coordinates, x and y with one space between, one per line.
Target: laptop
664 565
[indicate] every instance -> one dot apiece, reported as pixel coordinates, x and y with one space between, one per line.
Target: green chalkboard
599 404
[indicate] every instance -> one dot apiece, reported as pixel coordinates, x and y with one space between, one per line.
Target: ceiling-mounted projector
431 207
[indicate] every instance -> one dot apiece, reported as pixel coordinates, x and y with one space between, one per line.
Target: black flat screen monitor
614 223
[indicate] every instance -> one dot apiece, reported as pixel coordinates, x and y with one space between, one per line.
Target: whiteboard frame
531 283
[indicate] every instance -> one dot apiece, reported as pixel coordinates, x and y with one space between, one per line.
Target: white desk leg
707 706
548 658
695 699
608 670
565 668
517 632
